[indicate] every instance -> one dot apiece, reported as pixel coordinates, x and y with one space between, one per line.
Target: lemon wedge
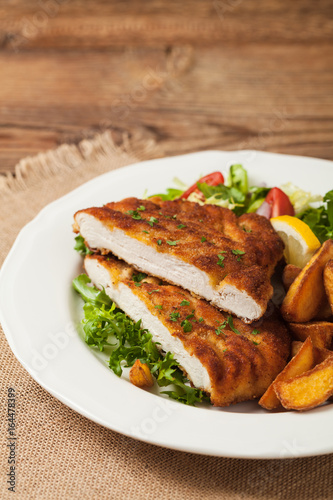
300 242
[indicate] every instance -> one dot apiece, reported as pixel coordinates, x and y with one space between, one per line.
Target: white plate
39 314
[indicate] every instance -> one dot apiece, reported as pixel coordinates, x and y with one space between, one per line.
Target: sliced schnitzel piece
205 249
228 359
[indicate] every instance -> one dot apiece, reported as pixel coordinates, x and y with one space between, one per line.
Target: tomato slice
212 179
279 202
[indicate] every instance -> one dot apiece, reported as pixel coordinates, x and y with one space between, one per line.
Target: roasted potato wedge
322 354
328 282
321 332
306 293
140 375
303 361
325 311
295 347
289 274
308 390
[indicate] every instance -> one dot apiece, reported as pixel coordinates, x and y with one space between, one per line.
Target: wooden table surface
193 75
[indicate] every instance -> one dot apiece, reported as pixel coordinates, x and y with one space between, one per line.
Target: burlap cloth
61 454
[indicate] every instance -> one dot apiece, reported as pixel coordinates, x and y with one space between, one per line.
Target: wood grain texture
193 75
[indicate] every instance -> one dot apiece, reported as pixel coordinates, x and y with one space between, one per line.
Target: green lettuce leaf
257 197
171 194
90 293
106 326
80 246
221 192
237 178
320 220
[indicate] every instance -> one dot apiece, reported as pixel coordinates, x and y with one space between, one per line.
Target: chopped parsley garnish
135 214
239 253
184 303
174 316
221 258
158 307
220 328
139 277
181 226
147 232
159 242
203 239
152 221
173 243
231 324
153 291
255 343
187 325
141 208
200 320
225 350
255 332
190 316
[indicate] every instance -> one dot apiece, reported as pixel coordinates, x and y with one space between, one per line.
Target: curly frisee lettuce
105 325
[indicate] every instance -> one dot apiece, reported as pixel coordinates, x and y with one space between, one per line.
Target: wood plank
261 96
224 74
68 24
246 81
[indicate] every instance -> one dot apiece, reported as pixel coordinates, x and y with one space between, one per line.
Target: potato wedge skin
303 361
295 347
308 390
140 375
325 312
322 354
290 273
328 282
321 332
306 293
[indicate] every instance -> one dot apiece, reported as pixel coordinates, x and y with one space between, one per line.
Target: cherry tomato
279 202
212 179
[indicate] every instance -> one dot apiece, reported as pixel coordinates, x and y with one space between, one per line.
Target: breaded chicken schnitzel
228 359
207 250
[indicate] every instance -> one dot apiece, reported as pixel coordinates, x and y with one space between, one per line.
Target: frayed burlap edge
31 170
